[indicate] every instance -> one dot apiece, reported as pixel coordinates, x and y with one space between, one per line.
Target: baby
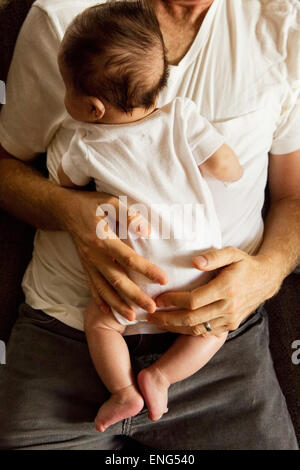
113 63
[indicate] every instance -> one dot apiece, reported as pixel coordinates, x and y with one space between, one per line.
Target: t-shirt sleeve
75 162
286 138
34 107
203 138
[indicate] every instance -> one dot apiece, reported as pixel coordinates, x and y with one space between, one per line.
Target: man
241 72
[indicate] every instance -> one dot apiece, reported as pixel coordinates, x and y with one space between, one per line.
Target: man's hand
243 281
241 285
104 256
31 197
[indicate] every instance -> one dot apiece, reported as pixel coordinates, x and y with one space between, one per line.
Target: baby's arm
223 165
212 155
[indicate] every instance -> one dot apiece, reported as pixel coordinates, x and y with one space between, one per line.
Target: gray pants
50 393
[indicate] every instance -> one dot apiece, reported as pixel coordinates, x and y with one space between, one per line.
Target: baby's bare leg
184 358
111 359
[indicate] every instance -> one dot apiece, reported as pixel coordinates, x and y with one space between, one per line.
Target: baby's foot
154 388
122 404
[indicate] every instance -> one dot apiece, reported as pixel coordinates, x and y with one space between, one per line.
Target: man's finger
217 325
120 251
119 281
99 301
214 259
182 330
129 259
188 318
174 299
206 294
102 292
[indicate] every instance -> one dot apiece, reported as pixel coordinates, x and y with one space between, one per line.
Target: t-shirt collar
200 39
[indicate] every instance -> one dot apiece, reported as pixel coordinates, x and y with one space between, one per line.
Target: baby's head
113 61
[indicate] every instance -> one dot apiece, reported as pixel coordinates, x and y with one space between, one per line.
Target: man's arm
33 112
245 281
281 243
29 196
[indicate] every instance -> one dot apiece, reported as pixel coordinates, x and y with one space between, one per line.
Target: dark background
16 248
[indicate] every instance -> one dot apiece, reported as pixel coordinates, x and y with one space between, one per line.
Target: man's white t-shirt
154 164
242 72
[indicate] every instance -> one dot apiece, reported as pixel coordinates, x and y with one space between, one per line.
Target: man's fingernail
126 312
201 260
150 308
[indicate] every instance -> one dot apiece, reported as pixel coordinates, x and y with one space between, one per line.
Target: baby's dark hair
116 51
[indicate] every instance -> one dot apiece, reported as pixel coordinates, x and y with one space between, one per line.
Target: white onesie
154 163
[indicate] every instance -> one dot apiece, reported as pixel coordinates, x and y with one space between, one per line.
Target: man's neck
180 22
191 11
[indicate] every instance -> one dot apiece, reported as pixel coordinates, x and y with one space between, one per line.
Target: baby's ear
97 108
